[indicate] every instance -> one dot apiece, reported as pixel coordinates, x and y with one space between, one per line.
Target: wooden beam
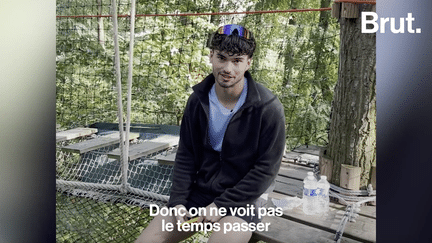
172 140
336 10
93 144
75 133
139 150
349 10
325 165
350 177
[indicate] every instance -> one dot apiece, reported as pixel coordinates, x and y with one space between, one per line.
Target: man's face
228 68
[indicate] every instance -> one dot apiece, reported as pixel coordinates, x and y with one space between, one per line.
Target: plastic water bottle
323 195
309 194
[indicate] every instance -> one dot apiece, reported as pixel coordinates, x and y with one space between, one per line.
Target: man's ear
249 63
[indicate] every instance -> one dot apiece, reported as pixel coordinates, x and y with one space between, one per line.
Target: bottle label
310 192
322 192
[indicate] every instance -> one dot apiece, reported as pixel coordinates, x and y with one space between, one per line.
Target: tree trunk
352 137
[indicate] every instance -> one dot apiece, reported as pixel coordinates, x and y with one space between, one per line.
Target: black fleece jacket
251 154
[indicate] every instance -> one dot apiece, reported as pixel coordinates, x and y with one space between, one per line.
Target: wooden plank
166 159
139 150
336 10
172 140
289 186
291 156
309 149
76 133
282 230
308 158
60 138
326 166
294 171
349 10
93 144
116 135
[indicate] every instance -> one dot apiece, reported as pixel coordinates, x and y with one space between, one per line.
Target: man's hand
181 209
208 217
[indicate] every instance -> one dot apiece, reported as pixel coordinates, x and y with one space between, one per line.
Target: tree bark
352 137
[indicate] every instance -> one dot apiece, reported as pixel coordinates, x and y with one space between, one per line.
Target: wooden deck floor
295 226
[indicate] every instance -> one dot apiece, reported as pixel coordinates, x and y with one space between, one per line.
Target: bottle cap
310 173
323 177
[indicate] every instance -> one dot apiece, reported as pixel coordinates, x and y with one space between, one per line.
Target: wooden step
74 133
139 150
100 142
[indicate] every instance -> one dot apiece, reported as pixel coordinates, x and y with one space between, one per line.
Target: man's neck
228 97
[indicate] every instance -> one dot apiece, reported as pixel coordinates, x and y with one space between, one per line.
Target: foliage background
296 57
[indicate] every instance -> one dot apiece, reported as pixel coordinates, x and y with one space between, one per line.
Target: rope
351 212
119 90
129 97
350 195
199 14
149 194
87 185
351 192
92 186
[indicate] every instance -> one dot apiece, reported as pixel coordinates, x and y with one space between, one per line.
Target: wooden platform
363 230
100 142
295 226
74 133
139 150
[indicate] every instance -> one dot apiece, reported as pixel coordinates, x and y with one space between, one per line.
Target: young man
232 139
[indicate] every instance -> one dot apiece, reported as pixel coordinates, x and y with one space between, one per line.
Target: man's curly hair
233 43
